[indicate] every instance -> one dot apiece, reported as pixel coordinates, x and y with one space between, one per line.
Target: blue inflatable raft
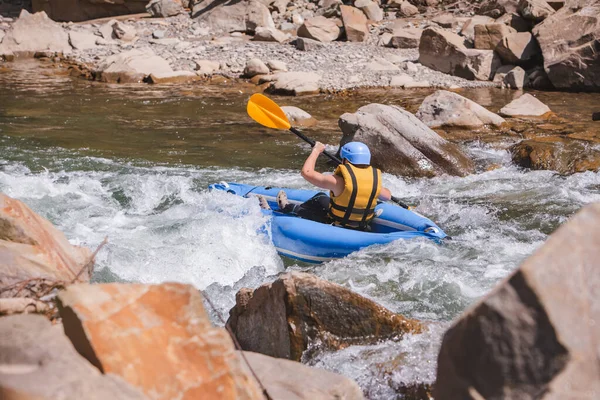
316 242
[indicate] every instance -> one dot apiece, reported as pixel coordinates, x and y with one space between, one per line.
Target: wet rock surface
526 105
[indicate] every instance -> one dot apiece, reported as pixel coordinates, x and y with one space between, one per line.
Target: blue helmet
356 153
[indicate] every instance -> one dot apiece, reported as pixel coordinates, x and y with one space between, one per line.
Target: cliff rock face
82 10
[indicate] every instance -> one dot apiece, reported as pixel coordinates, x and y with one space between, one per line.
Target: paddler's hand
318 148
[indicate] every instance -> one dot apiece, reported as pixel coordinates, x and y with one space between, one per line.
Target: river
133 162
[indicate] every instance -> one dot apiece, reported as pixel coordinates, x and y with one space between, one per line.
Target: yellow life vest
355 206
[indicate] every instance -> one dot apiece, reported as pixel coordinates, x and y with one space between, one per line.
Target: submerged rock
299 117
38 362
31 247
282 318
534 335
156 337
401 144
526 105
449 109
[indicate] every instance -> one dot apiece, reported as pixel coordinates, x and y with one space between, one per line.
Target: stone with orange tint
156 337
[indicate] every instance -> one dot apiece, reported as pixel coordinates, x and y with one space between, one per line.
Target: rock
381 65
518 48
299 117
32 33
468 29
285 379
84 10
320 29
255 67
596 116
496 8
164 8
158 34
408 38
533 328
124 32
416 85
538 79
535 10
173 77
447 109
488 36
355 24
21 305
107 30
31 247
277 66
561 154
132 66
1 36
306 44
233 15
156 337
526 105
407 10
372 11
401 144
445 52
569 40
516 22
270 35
39 362
279 319
296 83
445 20
401 80
82 40
207 67
516 78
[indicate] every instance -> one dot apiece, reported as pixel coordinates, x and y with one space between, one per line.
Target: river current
132 163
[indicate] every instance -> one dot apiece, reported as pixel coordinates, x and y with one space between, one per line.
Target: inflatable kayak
316 242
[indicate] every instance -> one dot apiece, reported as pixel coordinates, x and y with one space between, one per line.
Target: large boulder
518 48
290 380
526 105
497 8
31 247
156 337
164 8
447 109
132 66
405 38
371 10
516 22
355 24
401 144
319 28
535 10
37 361
82 10
561 154
488 36
296 83
82 40
32 33
281 318
299 117
511 77
535 335
233 15
569 43
468 29
445 51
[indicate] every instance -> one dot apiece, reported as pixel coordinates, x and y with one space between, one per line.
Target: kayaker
354 189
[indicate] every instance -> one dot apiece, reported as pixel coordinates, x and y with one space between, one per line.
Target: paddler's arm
385 194
329 182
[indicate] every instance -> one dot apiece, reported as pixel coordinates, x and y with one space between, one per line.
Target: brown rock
569 43
468 29
355 24
270 35
156 337
164 8
556 153
496 8
407 10
173 77
518 48
487 37
281 318
371 10
83 10
31 247
401 144
407 38
306 44
532 336
39 363
233 15
320 29
516 22
535 10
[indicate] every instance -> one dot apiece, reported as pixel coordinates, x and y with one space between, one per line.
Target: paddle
267 113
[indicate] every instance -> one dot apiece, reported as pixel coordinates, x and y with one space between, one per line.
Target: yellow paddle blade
266 112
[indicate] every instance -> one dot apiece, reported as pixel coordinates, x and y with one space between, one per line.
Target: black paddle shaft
337 160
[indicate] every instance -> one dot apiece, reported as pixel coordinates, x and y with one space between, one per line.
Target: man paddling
354 189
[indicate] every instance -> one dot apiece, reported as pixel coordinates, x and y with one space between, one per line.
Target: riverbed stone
82 40
83 10
263 34
299 117
569 44
164 8
535 10
233 15
173 77
320 29
31 247
407 10
371 10
405 38
533 335
255 67
445 52
132 66
355 24
516 78
306 44
281 318
158 338
518 48
33 33
401 144
39 362
296 83
124 32
277 66
381 65
488 36
448 109
526 105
